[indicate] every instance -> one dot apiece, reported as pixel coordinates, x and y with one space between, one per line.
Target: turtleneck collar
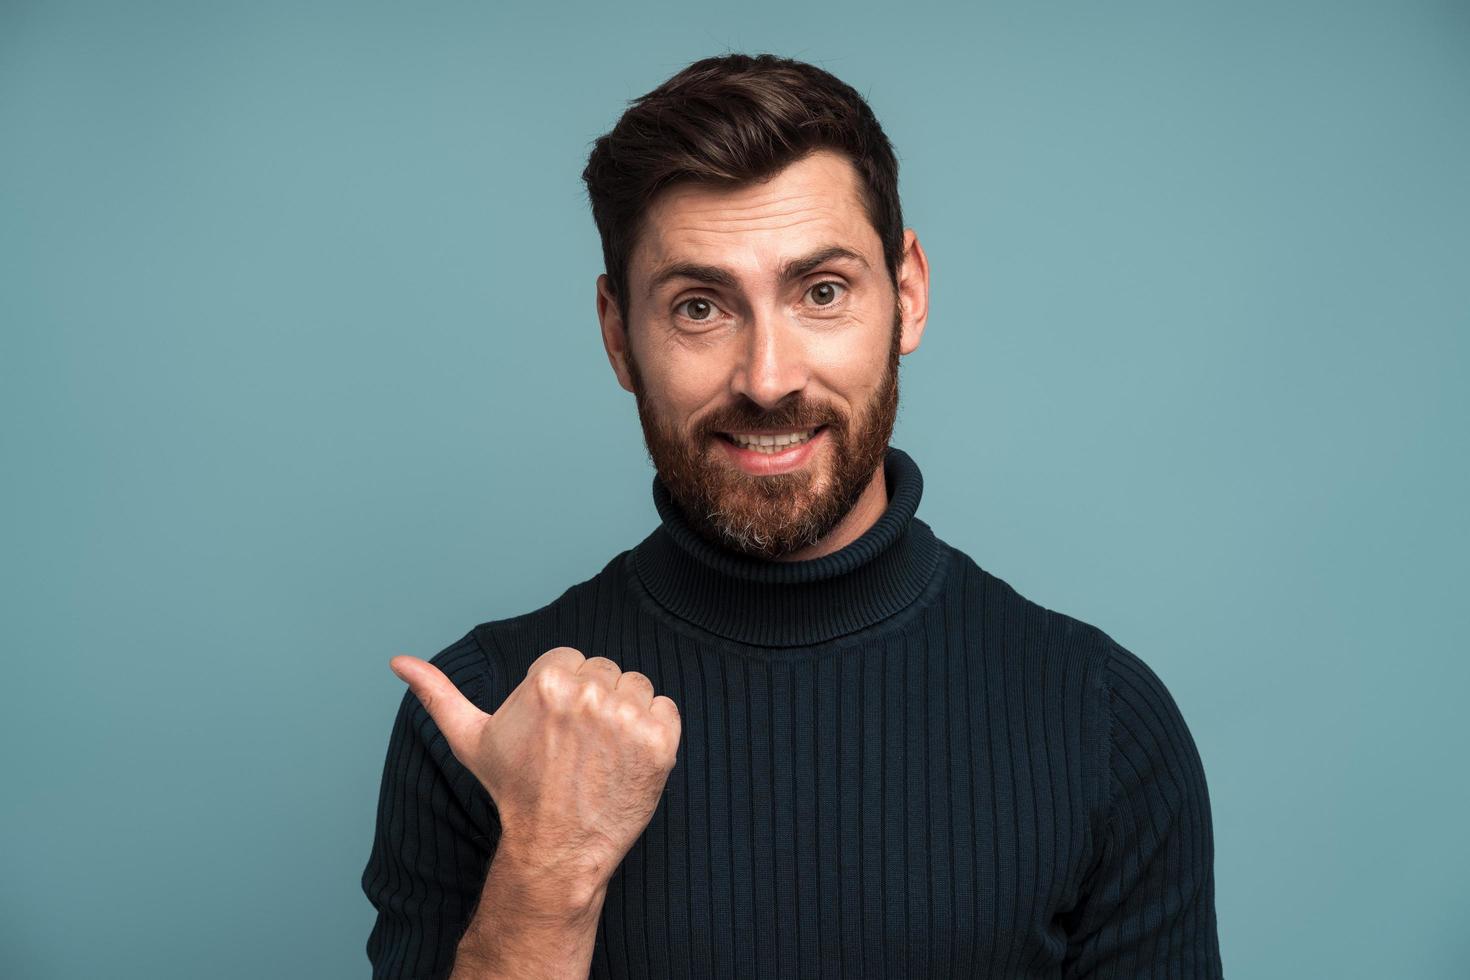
793 603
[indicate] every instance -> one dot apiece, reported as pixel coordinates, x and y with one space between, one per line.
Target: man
791 732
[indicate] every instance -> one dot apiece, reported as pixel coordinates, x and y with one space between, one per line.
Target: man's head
759 280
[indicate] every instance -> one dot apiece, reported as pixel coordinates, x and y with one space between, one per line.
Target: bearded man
791 733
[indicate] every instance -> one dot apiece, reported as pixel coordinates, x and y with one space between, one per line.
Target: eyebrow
715 275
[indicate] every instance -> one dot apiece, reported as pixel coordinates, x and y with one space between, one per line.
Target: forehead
753 228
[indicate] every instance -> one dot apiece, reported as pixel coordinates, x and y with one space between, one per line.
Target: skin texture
576 758
762 352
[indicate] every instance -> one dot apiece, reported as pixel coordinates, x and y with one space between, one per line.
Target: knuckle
588 694
634 679
556 656
666 711
551 683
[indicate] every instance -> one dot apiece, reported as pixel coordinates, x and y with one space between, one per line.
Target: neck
863 515
884 566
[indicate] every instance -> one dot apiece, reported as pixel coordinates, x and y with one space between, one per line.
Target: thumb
456 716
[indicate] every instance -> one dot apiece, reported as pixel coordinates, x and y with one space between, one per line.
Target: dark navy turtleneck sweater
892 765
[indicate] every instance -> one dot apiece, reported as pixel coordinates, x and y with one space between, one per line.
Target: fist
576 757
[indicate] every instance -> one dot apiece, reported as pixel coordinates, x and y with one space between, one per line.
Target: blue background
300 370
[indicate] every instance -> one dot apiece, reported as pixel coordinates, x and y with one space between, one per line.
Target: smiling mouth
771 443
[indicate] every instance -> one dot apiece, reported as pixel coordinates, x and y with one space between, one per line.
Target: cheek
854 366
686 389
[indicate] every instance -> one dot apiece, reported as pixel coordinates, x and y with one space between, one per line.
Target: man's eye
697 308
826 293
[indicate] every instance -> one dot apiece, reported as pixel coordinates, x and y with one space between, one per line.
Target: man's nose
773 360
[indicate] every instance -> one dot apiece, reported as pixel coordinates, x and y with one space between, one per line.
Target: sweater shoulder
1120 676
1123 681
1016 621
1131 720
511 644
1148 736
1017 627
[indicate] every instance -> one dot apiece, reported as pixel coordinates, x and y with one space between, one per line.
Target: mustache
797 417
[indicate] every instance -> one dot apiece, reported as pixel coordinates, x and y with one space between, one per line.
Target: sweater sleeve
435 835
1149 908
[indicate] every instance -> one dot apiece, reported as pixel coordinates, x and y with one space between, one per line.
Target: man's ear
614 332
913 292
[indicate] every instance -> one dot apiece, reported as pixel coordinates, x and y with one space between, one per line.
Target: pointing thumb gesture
574 759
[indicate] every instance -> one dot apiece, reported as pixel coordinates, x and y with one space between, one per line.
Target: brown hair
730 120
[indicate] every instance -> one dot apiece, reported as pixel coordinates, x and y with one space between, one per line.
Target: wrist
529 925
528 881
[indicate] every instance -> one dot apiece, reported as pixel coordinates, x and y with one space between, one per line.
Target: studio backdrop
300 370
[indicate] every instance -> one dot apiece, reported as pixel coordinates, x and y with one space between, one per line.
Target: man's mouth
771 442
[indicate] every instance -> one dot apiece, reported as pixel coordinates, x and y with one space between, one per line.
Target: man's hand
575 760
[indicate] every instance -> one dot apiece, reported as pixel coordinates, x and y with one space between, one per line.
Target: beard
771 516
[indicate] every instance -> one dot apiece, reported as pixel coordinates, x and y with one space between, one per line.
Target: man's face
764 310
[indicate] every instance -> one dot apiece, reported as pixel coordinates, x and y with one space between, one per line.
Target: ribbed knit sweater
892 765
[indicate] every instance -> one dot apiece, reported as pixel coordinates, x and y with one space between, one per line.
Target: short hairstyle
729 120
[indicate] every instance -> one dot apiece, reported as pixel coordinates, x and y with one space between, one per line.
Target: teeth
772 444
